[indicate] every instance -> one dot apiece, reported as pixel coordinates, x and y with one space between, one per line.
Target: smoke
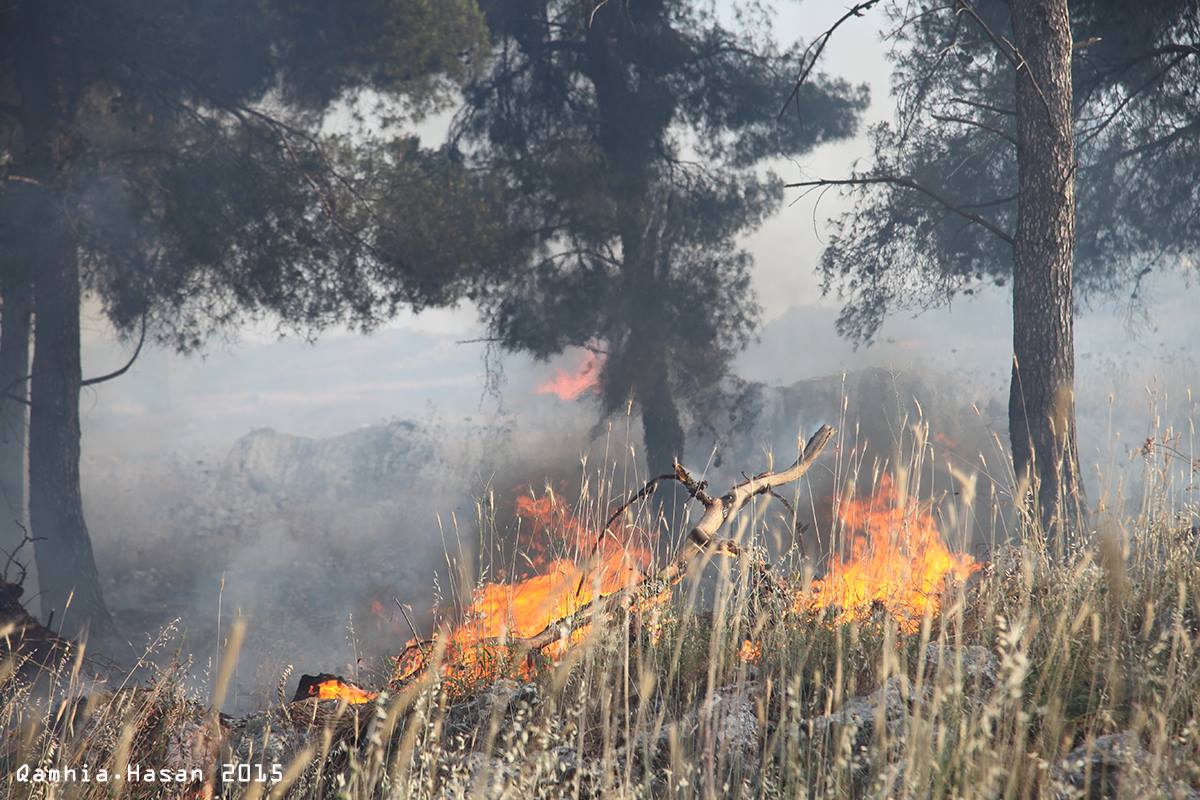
304 486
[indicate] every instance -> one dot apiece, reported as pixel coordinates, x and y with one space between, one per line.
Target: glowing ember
569 387
897 561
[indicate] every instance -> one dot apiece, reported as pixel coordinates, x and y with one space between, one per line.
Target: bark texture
1042 400
661 428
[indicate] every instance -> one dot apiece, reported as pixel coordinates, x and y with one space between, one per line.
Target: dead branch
1006 47
700 541
976 124
719 509
640 494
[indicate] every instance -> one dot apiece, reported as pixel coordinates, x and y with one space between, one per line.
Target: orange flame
501 611
340 690
897 561
571 386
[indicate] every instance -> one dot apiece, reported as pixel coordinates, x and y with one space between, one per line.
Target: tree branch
909 183
977 124
700 542
119 372
816 47
700 539
1162 141
1014 57
719 509
985 106
1099 128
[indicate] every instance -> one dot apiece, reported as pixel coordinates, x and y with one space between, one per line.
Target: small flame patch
568 386
331 687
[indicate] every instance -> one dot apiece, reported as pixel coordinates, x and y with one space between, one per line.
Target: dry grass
1043 676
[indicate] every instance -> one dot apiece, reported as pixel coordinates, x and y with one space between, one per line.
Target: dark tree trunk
16 301
661 429
49 84
1042 401
65 562
630 123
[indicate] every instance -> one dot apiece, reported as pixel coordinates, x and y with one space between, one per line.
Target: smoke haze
304 484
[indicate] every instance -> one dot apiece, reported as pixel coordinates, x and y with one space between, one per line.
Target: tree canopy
630 136
176 160
200 181
936 206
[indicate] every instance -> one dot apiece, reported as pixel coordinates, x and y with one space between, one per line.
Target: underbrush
1072 673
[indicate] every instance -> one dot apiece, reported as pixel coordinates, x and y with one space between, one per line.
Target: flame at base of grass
897 562
504 611
337 689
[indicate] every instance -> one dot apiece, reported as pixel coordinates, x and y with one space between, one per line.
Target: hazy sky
416 368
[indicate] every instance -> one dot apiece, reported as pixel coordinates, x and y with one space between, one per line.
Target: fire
571 386
897 561
331 687
501 611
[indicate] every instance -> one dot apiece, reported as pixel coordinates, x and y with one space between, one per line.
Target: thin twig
1007 48
816 47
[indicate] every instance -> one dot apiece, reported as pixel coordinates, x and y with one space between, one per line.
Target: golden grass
1040 664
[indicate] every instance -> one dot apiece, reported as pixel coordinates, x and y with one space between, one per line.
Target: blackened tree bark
1042 401
65 562
16 301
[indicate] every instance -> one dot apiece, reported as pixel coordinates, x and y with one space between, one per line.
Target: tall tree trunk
1041 405
65 562
16 301
49 84
662 431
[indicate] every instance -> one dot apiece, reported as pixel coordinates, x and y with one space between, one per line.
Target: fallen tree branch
640 494
719 509
700 541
